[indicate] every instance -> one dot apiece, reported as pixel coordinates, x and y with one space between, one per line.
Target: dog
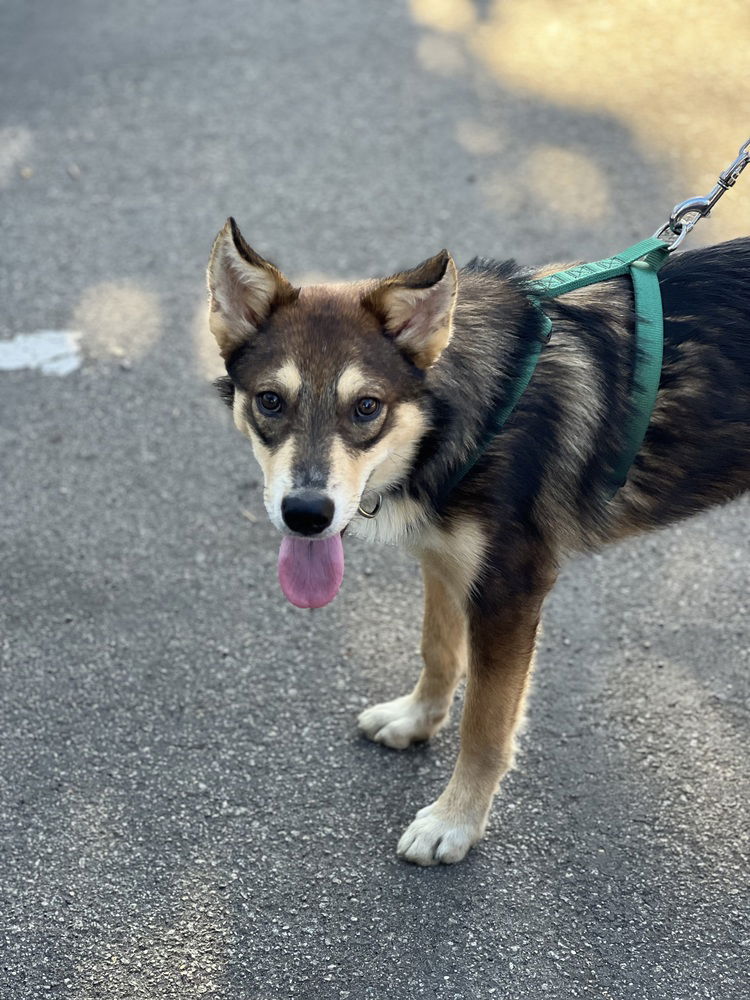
362 400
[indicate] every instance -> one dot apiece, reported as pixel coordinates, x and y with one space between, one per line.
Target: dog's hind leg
418 716
502 638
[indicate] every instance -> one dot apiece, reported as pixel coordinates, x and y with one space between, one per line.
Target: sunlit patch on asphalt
52 352
118 319
15 148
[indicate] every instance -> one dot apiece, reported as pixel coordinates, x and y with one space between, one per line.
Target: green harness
643 261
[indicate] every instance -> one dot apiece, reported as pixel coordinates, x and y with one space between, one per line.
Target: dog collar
642 261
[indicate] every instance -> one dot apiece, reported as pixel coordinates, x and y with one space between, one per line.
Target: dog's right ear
244 289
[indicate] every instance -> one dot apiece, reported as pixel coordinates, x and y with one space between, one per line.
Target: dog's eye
269 402
367 408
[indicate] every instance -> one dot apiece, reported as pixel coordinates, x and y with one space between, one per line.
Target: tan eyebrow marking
288 379
352 383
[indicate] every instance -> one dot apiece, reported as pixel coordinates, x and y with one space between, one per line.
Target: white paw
438 837
402 721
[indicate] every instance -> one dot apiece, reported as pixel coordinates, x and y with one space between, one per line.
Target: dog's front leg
500 658
417 716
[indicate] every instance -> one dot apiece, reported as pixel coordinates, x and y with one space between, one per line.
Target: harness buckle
546 331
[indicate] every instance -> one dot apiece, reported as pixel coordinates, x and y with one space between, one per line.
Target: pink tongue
310 572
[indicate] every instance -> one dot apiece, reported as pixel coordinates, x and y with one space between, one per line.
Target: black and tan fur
440 349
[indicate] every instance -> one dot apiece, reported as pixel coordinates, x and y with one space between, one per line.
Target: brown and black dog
369 397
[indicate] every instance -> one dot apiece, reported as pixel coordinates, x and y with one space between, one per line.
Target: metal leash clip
687 213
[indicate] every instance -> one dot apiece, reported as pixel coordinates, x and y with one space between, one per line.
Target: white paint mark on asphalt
52 352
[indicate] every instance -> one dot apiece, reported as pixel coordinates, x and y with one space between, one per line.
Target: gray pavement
186 808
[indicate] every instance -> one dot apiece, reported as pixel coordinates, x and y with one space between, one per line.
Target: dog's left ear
244 289
416 307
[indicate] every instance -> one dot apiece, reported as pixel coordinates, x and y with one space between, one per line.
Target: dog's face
327 382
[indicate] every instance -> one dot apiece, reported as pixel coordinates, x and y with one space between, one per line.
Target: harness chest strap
642 261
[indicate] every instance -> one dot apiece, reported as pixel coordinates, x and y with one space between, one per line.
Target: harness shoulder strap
649 351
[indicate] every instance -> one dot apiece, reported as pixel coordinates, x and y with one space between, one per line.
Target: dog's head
327 382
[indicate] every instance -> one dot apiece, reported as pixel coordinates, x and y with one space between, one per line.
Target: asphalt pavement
186 809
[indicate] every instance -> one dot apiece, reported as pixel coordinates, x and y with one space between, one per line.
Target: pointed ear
416 307
243 287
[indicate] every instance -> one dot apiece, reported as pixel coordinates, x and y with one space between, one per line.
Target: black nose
307 513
